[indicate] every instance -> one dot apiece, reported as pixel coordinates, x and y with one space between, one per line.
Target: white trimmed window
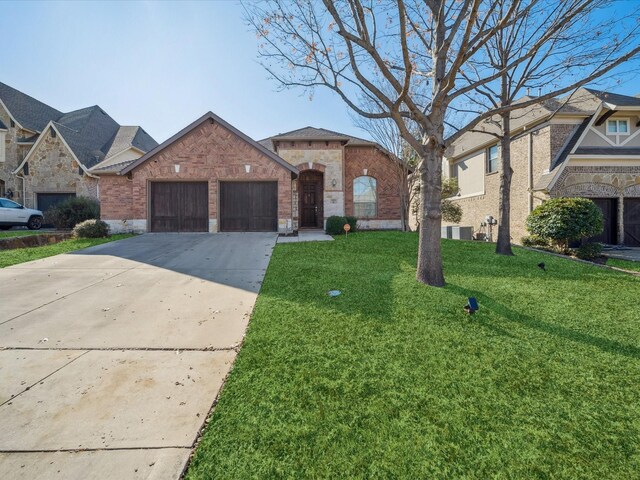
618 127
365 197
492 159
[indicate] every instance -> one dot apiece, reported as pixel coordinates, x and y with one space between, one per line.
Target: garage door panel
179 207
249 206
609 209
632 222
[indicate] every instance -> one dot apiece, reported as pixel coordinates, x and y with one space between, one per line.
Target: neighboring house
47 156
585 146
212 177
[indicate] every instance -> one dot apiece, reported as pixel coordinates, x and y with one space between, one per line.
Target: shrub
588 251
72 211
534 241
335 224
562 220
91 229
451 212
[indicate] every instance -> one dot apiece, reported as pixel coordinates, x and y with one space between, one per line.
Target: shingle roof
32 114
125 138
314 133
577 133
87 131
616 99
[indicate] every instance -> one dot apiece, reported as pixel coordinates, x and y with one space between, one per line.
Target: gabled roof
314 133
616 99
30 113
209 116
126 138
87 131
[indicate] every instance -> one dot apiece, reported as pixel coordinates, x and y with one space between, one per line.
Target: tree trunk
503 247
429 269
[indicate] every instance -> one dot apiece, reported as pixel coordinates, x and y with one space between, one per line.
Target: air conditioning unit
462 233
445 232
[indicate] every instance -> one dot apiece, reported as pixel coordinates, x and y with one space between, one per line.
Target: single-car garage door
179 207
248 206
609 209
632 222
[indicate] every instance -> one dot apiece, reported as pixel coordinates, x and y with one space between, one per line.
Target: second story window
618 127
492 159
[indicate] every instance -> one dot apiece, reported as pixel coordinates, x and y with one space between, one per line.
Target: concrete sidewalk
111 357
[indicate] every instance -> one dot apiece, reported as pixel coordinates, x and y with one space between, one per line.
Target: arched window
364 197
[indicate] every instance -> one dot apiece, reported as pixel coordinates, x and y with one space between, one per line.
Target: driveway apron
111 357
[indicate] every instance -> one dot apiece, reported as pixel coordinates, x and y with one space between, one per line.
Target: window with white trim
618 127
365 197
492 159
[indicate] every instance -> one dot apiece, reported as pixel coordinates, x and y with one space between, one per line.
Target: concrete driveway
111 357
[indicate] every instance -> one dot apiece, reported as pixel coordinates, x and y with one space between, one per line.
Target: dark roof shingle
32 114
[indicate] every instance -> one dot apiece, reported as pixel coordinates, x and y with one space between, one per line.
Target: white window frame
3 146
375 191
618 132
488 159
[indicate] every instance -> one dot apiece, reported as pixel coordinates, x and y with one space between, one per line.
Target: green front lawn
624 264
21 255
19 233
393 380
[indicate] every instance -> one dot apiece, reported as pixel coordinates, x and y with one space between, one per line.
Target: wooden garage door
249 206
179 207
632 222
609 209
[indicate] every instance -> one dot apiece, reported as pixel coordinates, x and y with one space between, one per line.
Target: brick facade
388 176
209 153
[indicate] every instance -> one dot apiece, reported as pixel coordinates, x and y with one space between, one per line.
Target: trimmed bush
336 223
72 211
588 251
534 241
91 229
563 220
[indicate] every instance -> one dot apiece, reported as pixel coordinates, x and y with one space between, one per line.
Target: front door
311 194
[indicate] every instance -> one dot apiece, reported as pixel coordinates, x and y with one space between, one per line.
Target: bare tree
385 133
570 53
423 52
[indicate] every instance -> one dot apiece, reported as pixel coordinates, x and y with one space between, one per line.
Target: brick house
212 177
586 146
47 156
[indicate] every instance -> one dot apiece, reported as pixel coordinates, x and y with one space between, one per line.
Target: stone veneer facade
52 167
545 143
208 153
340 165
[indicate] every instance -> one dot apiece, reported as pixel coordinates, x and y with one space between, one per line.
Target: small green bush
563 220
91 229
336 223
72 211
588 251
534 241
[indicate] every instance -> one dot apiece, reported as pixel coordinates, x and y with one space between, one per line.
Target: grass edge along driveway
21 255
393 380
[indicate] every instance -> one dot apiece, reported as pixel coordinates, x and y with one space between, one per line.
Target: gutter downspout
530 172
24 189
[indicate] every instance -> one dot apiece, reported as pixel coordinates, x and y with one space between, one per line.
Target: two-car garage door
184 206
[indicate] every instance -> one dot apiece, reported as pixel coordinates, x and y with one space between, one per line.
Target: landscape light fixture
472 306
542 267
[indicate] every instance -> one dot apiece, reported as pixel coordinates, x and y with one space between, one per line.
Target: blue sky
157 64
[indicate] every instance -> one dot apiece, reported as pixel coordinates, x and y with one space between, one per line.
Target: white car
13 214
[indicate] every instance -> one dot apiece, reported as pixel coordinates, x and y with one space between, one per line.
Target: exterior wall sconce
176 167
247 168
334 182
